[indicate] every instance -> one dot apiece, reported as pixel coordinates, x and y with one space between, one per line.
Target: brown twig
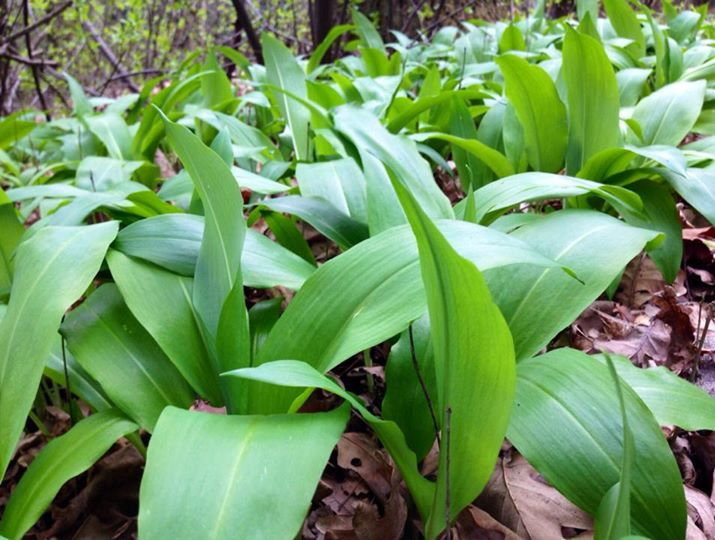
39 22
109 54
34 67
27 61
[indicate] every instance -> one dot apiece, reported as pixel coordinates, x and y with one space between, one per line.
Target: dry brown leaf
543 510
700 514
358 452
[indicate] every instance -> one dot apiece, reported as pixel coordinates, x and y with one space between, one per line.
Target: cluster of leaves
468 294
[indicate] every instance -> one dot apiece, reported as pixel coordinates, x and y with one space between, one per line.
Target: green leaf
405 401
368 35
625 23
461 124
540 302
80 104
668 114
161 302
497 197
321 214
292 373
215 85
398 154
492 158
672 400
112 130
61 459
630 84
319 51
339 182
661 215
218 266
474 366
283 71
173 241
53 268
14 127
613 517
593 99
373 302
541 112
512 39
243 463
12 231
80 382
697 186
566 424
111 345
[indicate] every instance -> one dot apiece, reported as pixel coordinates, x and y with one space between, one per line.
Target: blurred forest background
113 47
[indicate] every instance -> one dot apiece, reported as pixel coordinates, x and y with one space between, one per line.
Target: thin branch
39 22
109 54
28 61
34 67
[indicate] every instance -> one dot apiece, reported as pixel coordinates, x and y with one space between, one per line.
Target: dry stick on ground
109 54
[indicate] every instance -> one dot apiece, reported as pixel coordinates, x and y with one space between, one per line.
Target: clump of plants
474 194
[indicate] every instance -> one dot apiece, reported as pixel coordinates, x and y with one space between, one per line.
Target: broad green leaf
241 465
497 197
613 516
537 303
474 367
262 317
668 114
541 112
173 242
339 182
661 215
111 345
112 130
461 124
586 8
161 302
80 104
373 302
77 379
14 127
218 265
405 402
630 84
492 158
12 231
292 373
593 99
283 71
672 400
512 39
625 23
97 173
398 154
60 460
368 35
215 85
566 424
320 51
53 268
321 214
697 186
